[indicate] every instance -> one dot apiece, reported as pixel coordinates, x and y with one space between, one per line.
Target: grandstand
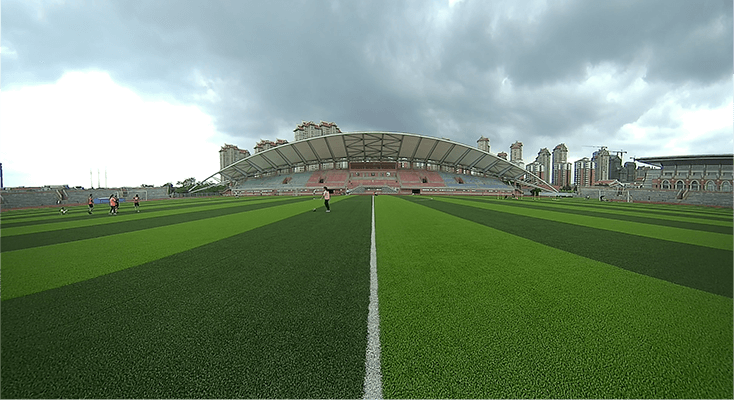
375 162
704 180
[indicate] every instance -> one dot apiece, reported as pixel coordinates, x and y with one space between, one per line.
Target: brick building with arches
702 173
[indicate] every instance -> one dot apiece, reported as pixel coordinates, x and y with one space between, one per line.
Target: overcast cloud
650 77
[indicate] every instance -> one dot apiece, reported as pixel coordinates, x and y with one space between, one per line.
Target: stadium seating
372 179
720 199
336 178
32 198
472 182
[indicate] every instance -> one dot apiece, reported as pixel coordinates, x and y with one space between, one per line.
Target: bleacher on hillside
700 198
24 199
41 197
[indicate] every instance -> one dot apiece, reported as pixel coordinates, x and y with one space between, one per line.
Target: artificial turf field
262 298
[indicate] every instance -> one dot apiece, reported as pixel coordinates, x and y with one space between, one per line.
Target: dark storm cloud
509 71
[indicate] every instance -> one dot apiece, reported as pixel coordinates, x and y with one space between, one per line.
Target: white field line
373 373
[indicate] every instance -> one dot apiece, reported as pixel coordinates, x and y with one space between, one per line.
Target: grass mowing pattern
628 214
30 217
32 270
696 237
37 235
469 311
703 268
217 321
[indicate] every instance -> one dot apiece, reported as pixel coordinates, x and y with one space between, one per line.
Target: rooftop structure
308 129
343 149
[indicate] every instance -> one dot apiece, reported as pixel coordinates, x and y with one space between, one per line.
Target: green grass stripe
78 215
689 220
698 267
107 225
680 235
661 210
236 318
40 268
468 311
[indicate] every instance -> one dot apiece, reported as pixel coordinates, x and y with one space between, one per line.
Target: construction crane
619 153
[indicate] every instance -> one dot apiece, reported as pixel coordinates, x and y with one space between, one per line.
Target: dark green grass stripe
78 213
56 222
693 266
39 215
669 210
276 312
46 238
613 214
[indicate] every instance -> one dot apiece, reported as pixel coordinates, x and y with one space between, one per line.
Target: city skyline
146 90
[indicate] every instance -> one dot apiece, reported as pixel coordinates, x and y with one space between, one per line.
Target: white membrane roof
377 146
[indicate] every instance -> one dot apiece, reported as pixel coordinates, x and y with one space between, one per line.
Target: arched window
666 184
710 186
726 186
694 185
679 185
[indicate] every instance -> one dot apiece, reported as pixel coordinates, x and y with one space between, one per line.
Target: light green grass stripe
56 221
683 216
699 238
41 268
51 214
654 207
468 311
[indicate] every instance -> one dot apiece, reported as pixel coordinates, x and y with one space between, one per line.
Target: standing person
113 204
326 196
136 199
90 203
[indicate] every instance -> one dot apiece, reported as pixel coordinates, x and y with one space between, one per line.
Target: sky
126 92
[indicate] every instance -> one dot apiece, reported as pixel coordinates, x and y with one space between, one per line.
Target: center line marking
373 373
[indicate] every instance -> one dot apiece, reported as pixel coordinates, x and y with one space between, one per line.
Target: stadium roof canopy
714 159
377 146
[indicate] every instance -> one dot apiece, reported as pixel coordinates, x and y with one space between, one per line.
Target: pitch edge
373 373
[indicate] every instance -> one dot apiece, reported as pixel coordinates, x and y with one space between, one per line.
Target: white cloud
57 133
680 128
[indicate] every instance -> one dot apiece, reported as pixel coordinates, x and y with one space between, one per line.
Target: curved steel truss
377 146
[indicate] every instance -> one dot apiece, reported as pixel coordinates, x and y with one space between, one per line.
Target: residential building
544 158
583 172
628 173
516 154
268 144
560 166
538 170
562 174
483 144
601 164
308 129
230 153
615 166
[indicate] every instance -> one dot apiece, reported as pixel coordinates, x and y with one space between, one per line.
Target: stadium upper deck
411 151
